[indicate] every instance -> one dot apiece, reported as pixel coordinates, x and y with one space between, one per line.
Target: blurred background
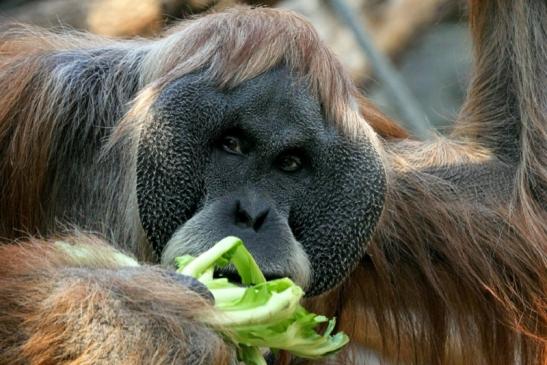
411 57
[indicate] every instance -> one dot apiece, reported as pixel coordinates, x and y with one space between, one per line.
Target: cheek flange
167 191
337 217
171 157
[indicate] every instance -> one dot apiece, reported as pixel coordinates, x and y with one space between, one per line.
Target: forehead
278 103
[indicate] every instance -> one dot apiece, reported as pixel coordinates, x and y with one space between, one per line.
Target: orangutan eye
231 144
289 163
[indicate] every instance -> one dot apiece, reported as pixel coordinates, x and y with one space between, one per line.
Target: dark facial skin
259 162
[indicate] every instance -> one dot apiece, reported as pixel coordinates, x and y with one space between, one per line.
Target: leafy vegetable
265 314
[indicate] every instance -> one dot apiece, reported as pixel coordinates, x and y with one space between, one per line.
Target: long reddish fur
447 279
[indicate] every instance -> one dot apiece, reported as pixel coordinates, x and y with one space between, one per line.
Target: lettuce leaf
264 314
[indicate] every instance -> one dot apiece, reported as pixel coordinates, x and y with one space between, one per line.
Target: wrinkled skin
260 162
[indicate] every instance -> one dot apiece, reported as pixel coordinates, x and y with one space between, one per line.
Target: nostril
260 219
243 219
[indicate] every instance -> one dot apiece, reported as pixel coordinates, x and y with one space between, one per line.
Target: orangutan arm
59 309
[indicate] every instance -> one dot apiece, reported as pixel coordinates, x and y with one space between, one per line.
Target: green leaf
265 314
228 250
250 355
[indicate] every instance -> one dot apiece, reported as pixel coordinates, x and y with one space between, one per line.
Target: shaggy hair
457 269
